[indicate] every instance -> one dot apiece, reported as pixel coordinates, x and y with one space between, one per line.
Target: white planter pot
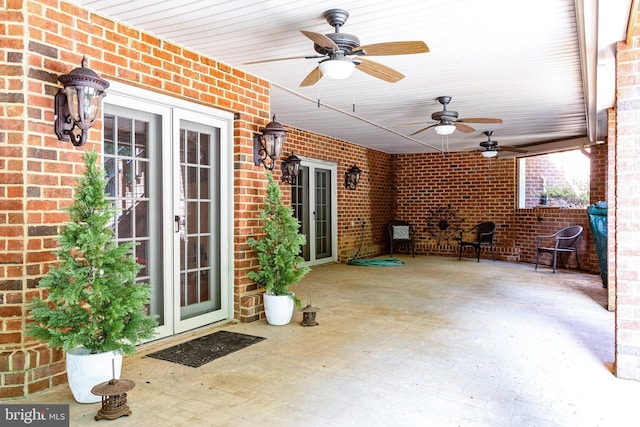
86 370
278 309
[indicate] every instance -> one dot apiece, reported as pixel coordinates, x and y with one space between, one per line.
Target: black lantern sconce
290 169
77 105
351 177
267 148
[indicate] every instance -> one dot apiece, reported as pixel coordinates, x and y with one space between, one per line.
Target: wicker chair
483 237
565 241
401 232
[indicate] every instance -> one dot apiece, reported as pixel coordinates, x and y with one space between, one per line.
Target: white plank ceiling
544 67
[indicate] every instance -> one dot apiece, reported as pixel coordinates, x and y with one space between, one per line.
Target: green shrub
278 250
92 299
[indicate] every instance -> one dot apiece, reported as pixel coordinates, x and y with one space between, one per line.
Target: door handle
176 223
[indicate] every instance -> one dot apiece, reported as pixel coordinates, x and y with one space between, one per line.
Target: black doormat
203 350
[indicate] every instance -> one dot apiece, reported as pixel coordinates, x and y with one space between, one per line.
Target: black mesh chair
483 233
563 242
401 232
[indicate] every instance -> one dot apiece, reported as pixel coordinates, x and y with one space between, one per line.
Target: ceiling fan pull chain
353 97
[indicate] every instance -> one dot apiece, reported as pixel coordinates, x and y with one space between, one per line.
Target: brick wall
545 221
38 172
43 40
464 189
611 213
353 205
598 183
370 201
537 221
626 158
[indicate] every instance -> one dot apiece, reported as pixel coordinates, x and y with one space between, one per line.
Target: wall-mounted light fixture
290 169
268 146
351 177
77 105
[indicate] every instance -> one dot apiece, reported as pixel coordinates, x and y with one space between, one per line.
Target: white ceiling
545 67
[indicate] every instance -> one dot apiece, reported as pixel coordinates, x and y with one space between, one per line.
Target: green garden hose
372 262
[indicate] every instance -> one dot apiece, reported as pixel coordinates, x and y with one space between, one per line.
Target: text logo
34 415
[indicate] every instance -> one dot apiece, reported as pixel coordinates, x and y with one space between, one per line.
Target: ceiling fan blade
393 48
379 71
312 78
277 59
423 129
513 149
481 120
321 40
399 125
464 128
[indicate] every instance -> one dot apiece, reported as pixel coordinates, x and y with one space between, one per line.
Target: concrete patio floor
436 342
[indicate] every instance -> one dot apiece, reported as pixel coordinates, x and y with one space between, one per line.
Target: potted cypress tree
278 254
94 310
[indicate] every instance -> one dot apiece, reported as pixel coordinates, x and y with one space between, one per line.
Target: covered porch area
438 341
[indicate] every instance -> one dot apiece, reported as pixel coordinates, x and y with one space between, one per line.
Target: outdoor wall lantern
77 105
268 146
290 169
351 177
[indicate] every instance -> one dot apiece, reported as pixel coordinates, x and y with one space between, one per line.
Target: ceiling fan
338 52
448 121
491 147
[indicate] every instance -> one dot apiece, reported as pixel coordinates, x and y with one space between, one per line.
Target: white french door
314 202
169 176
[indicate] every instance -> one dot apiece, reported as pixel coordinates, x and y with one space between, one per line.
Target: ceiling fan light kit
337 69
489 153
491 147
445 129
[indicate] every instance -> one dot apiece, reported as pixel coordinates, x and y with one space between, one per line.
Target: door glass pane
132 177
200 290
323 213
300 205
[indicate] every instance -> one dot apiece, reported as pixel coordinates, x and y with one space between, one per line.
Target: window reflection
195 194
126 165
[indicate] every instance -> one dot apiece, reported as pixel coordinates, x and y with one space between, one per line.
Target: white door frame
312 164
172 111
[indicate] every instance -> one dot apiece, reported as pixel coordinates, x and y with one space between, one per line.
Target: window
555 180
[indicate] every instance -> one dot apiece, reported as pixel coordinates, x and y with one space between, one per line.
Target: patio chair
565 241
401 232
484 233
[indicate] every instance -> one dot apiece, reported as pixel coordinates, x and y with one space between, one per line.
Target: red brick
11 391
39 385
